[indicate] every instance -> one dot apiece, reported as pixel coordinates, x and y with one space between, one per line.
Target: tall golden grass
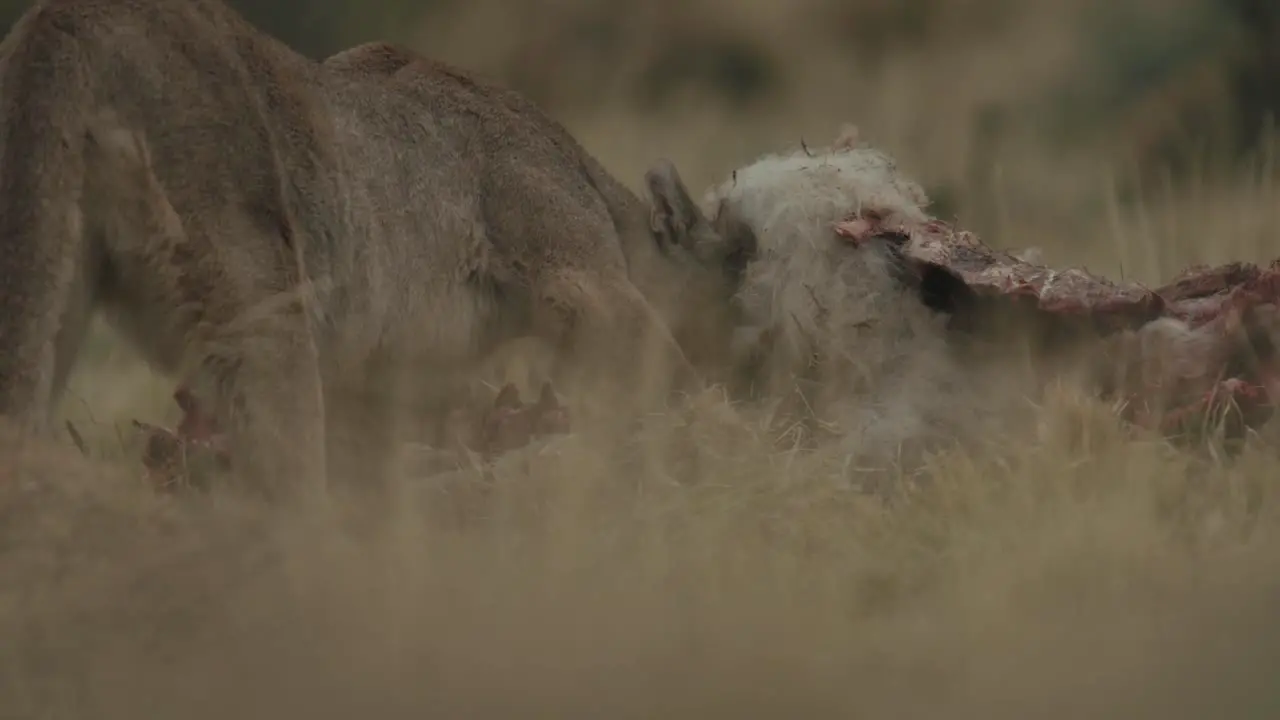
695 568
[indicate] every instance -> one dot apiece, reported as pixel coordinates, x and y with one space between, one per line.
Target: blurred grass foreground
696 570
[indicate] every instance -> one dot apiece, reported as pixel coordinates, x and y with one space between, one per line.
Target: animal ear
547 398
508 397
675 218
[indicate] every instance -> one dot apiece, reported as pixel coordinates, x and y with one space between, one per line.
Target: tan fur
295 237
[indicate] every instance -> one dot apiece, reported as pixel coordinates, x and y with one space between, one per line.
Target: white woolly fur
833 314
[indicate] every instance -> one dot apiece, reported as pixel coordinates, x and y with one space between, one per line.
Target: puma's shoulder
370 60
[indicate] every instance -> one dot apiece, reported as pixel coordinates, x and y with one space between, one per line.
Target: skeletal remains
1203 340
847 287
852 284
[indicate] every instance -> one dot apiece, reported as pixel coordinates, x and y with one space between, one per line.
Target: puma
300 236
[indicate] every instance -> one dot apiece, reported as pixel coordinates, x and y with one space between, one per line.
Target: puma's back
292 231
542 197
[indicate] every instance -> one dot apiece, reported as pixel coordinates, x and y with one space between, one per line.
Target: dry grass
694 569
691 570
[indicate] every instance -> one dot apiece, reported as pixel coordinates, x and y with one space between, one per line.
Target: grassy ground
692 570
695 569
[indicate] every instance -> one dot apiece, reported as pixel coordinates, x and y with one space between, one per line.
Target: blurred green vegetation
313 28
1159 86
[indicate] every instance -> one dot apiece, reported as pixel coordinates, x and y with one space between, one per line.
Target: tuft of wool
873 362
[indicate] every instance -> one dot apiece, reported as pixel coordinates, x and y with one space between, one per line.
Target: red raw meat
1230 311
